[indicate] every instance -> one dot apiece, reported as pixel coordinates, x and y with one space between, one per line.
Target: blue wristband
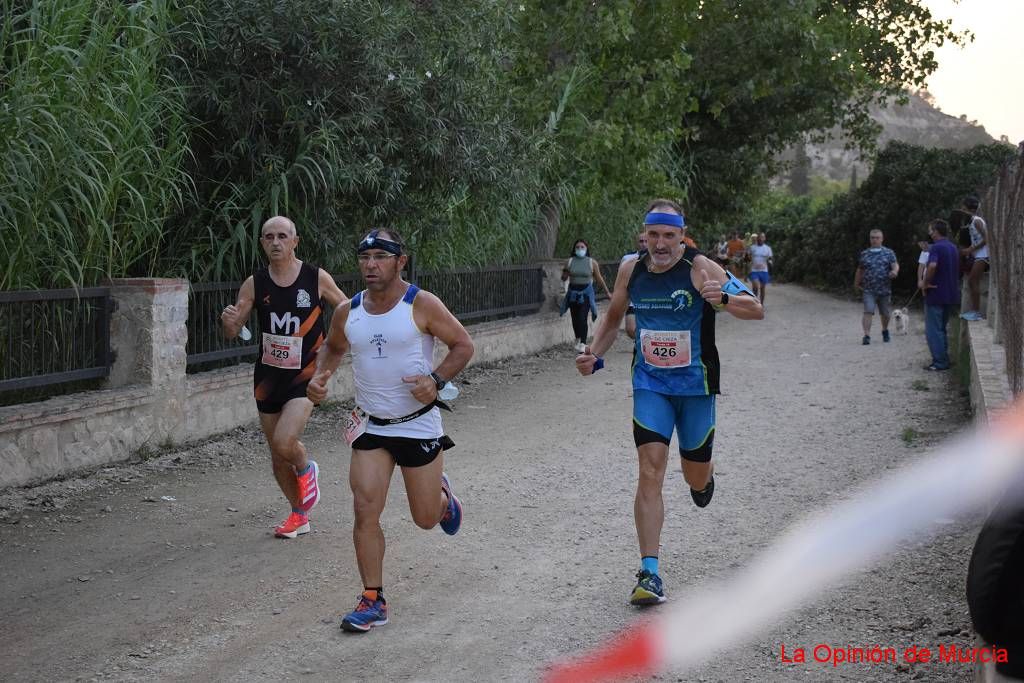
598 364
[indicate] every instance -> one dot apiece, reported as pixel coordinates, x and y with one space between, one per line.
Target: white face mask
581 252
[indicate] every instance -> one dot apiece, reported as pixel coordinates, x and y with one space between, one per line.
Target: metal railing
206 346
489 293
54 336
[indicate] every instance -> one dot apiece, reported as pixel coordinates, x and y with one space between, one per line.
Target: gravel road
165 568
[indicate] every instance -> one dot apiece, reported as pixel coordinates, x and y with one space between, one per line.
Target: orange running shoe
297 523
309 489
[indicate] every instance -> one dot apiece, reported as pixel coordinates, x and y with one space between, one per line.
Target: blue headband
655 218
371 241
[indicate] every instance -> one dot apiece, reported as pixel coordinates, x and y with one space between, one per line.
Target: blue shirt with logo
669 302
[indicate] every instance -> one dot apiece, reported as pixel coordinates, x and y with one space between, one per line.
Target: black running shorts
275 402
406 452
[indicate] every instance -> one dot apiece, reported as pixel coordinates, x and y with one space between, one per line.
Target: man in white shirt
390 329
760 260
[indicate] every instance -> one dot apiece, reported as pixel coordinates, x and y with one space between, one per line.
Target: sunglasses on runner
378 258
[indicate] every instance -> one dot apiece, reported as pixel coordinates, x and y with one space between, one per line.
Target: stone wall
51 438
989 385
152 403
996 344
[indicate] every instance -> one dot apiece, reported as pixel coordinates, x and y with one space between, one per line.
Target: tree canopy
486 131
695 99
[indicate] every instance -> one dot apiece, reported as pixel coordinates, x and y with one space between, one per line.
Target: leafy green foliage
92 136
769 73
694 99
819 244
345 115
606 81
140 140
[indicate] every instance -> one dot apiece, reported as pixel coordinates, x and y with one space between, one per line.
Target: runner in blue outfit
675 291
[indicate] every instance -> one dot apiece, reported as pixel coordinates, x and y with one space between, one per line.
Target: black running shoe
702 498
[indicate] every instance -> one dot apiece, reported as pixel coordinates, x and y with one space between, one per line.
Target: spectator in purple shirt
942 292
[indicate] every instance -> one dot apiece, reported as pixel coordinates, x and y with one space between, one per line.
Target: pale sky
983 78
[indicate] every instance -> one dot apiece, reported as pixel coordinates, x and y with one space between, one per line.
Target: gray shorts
882 301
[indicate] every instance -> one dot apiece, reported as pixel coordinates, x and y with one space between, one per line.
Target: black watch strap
438 381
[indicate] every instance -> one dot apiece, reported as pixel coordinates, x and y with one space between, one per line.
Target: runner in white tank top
385 348
390 329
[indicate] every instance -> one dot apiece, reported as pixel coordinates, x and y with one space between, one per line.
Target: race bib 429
282 352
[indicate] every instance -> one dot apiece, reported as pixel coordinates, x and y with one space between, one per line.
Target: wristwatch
725 299
438 381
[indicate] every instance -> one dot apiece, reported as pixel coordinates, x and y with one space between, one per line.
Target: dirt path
102 577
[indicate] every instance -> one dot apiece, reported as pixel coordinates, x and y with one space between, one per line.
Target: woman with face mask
581 271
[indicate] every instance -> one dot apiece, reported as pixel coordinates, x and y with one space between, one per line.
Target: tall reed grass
93 136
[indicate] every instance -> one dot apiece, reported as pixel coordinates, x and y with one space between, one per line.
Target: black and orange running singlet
291 321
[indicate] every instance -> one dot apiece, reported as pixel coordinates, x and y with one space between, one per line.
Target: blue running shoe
367 614
648 590
452 519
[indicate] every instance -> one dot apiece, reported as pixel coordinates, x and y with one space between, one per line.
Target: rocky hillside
917 123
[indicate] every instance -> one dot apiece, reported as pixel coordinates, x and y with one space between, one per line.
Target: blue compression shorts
656 415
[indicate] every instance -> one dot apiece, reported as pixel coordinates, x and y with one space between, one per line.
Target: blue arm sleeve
734 286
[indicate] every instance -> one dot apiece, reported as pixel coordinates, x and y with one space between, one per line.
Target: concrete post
148 333
553 294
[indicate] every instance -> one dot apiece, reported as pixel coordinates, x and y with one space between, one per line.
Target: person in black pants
581 271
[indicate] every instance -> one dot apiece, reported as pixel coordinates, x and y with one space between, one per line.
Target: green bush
345 115
908 187
143 138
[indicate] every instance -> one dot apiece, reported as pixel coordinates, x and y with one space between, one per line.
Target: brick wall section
989 390
553 284
148 331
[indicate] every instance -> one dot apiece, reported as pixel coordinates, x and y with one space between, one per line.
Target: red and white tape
965 473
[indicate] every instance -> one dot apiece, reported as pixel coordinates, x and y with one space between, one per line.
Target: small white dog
901 320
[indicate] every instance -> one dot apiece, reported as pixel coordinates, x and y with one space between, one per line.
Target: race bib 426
666 349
